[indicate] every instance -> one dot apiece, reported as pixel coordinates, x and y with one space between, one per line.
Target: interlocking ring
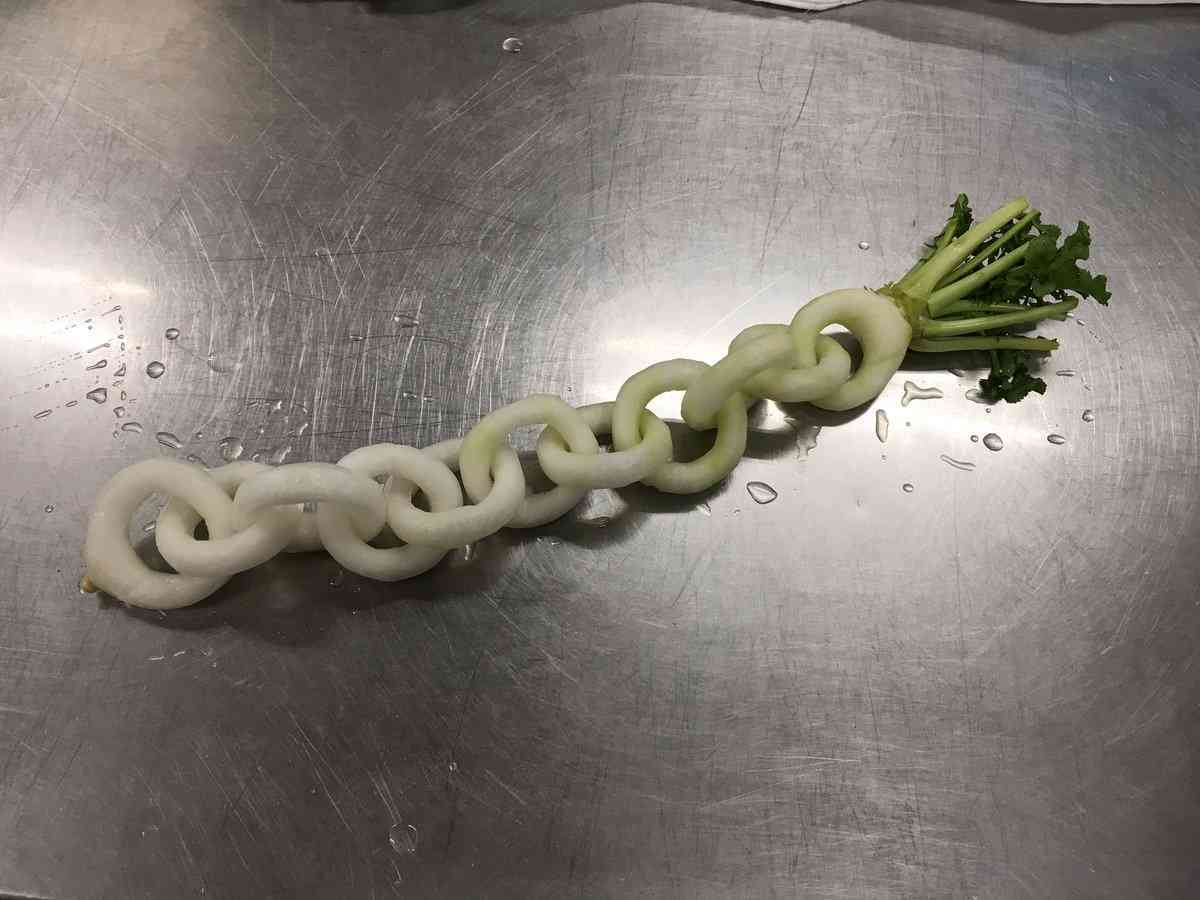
757 365
797 384
408 466
480 444
216 558
608 470
457 527
113 566
883 333
322 482
676 477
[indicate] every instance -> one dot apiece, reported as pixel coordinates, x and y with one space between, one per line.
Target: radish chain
252 511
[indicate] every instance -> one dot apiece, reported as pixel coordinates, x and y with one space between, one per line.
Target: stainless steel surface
987 687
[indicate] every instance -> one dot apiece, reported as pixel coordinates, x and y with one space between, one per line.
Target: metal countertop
374 226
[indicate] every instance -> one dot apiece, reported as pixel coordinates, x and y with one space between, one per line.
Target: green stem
943 297
983 342
962 307
978 260
952 327
922 282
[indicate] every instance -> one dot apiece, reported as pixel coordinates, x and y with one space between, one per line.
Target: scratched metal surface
375 226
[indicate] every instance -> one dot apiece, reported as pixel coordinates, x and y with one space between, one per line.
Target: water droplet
975 396
42 414
403 838
48 508
453 766
957 373
124 396
304 426
913 391
355 338
256 456
135 427
336 579
881 425
512 45
280 454
120 373
705 508
275 407
1056 439
231 448
1088 416
961 464
119 412
992 441
1079 322
169 440
1065 373
974 439
171 333
761 492
71 403
149 527
155 369
907 488
99 364
864 245
197 435
195 460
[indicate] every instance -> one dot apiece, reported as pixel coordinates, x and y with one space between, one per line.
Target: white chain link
252 511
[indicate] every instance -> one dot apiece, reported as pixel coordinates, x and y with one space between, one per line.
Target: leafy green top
978 285
1010 379
1050 270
